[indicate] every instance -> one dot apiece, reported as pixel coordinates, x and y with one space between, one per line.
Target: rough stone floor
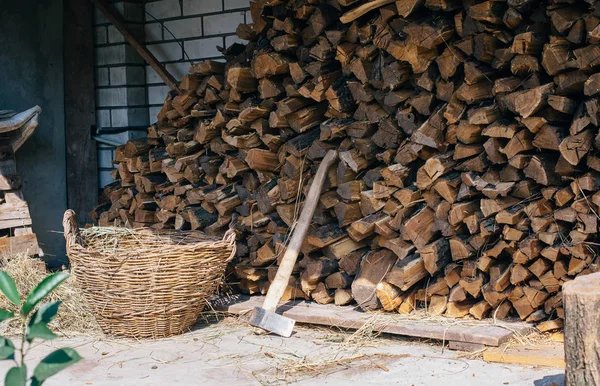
229 353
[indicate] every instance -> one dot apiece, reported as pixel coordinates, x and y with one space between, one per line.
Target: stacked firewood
467 133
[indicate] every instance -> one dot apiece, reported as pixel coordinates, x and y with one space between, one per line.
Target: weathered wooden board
542 355
17 121
465 346
14 212
25 243
351 318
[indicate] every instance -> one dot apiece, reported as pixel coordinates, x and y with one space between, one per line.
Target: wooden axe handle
282 278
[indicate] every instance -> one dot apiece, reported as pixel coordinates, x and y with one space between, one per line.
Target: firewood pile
467 132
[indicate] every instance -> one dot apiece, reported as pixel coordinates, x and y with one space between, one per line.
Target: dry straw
74 317
146 283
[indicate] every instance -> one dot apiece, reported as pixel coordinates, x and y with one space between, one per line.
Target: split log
373 269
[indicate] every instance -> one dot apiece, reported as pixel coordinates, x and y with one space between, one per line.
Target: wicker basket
146 283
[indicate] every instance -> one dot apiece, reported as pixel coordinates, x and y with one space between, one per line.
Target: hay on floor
73 316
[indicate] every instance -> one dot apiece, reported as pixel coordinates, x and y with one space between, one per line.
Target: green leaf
9 289
55 362
39 331
5 315
45 313
42 290
38 324
7 349
16 376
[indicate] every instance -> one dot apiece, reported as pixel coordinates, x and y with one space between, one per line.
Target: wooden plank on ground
350 318
539 355
465 346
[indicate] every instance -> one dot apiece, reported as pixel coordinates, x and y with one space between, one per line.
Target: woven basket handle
230 237
71 230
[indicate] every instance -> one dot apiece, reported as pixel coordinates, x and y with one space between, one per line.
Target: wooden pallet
459 333
16 234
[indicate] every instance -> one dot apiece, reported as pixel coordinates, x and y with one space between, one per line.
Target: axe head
272 322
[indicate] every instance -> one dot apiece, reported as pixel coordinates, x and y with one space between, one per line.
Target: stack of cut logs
467 131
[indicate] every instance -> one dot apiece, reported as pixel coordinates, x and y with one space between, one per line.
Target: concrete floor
228 353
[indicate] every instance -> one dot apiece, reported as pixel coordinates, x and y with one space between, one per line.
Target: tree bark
582 330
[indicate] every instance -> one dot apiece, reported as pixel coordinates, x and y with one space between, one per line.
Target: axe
265 317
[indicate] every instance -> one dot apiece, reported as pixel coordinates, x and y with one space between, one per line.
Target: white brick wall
153 112
200 7
100 35
130 11
136 75
236 4
176 69
110 55
114 36
138 116
118 76
104 178
151 76
107 97
117 54
119 118
164 9
203 48
222 23
102 77
185 28
165 52
103 118
105 158
120 96
118 68
129 116
127 75
136 96
229 40
124 136
157 94
153 32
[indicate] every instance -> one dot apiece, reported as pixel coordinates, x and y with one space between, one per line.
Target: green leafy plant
33 326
